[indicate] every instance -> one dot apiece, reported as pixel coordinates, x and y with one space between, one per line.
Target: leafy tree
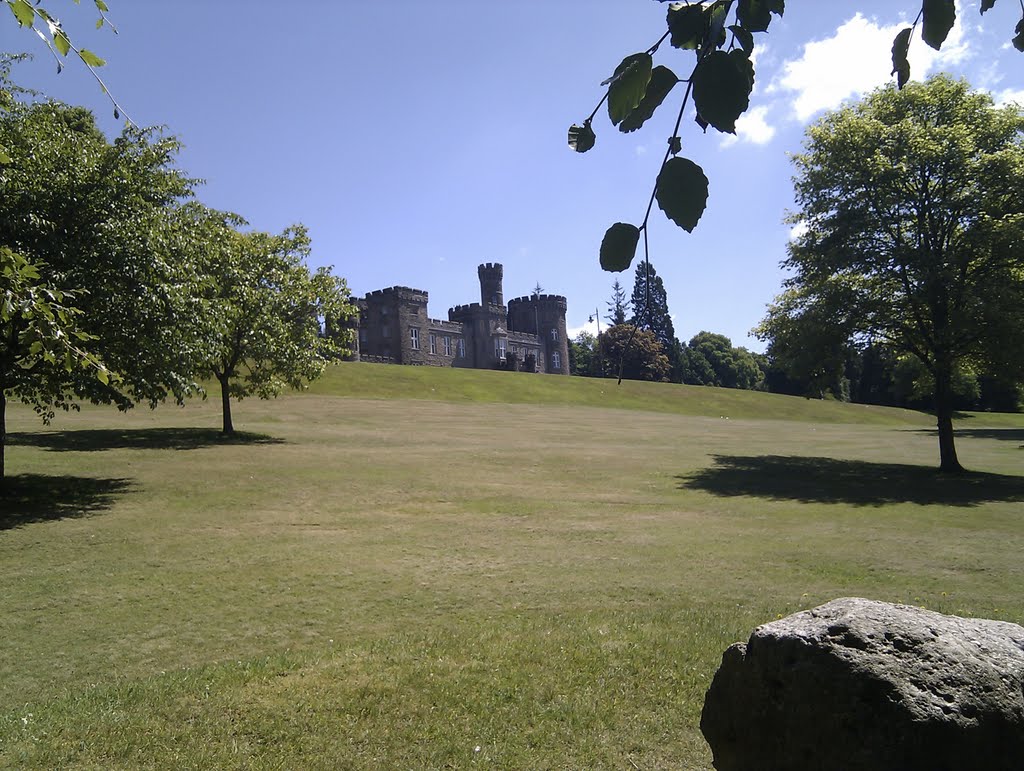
582 350
650 311
265 309
618 305
915 238
720 84
712 360
631 354
42 348
106 218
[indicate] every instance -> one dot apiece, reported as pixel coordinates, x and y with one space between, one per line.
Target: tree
632 354
618 305
650 311
41 345
265 310
582 349
914 240
721 83
106 219
712 360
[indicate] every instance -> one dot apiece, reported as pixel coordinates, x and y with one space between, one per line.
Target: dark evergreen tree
618 305
650 312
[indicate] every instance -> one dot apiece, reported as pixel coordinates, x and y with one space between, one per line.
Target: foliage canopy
914 238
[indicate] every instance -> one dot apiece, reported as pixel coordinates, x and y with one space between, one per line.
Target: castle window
414 338
462 348
385 331
499 348
556 361
447 346
433 343
554 334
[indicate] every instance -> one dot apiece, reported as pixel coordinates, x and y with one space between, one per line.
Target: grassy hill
423 568
377 381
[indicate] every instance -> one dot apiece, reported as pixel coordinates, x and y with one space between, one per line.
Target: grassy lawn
419 568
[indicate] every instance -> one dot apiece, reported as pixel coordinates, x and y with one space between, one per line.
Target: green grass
380 575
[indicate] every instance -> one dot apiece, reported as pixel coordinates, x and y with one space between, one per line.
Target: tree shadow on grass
27 498
1004 434
854 482
97 439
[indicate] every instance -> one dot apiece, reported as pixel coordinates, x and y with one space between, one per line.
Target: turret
490 284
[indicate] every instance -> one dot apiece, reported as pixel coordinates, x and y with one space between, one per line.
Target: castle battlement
401 292
480 335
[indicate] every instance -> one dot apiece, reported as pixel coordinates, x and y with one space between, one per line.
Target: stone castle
528 335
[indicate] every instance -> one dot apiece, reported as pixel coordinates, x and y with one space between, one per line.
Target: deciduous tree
104 217
630 353
42 347
265 310
914 238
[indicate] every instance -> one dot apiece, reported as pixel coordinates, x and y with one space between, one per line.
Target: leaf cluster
720 83
720 34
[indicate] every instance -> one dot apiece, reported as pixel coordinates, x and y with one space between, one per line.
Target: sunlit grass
396 582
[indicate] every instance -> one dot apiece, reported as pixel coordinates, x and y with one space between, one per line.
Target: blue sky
417 140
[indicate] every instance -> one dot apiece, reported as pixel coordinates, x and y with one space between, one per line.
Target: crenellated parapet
400 293
551 301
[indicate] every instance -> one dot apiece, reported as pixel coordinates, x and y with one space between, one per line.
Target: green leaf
90 58
722 83
61 41
675 145
939 16
1018 42
682 192
987 4
23 12
756 15
103 376
687 25
900 63
744 38
662 81
628 86
101 6
4 157
618 248
581 138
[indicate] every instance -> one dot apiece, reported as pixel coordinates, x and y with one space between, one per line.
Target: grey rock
863 685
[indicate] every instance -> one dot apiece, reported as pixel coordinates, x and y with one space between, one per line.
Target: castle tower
544 316
490 284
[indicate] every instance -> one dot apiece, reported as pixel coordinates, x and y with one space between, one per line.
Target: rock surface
863 685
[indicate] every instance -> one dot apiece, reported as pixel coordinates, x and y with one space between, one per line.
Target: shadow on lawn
26 498
1005 434
92 440
854 482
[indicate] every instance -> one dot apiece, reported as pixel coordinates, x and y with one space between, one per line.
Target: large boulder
858 684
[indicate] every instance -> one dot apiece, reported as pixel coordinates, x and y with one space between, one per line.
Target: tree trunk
948 463
3 433
225 401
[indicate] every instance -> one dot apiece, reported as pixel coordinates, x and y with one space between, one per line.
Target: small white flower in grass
476 748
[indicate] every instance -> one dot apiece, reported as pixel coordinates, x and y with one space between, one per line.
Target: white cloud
798 230
590 326
640 150
752 126
1009 95
858 59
